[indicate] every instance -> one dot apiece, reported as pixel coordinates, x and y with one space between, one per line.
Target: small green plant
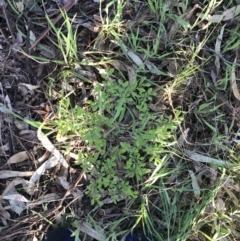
116 150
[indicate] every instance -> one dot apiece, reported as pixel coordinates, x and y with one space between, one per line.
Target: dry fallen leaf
51 197
24 91
3 108
6 174
19 157
44 157
219 205
137 60
200 237
30 87
51 162
183 18
14 196
235 232
154 107
50 147
20 6
109 200
173 67
76 192
214 78
19 39
4 148
131 73
21 125
218 49
118 65
46 51
201 158
11 185
125 235
27 134
8 102
36 239
233 81
213 174
195 185
183 137
229 14
153 68
32 5
16 201
231 195
4 213
96 234
91 26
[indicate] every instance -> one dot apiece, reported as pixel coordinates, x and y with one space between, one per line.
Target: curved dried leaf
91 26
118 65
153 68
232 196
20 6
195 185
13 183
27 134
201 158
227 15
6 174
46 51
44 157
183 137
76 193
234 232
16 200
220 205
21 125
182 21
50 147
132 55
32 6
51 197
15 197
51 162
131 73
17 203
19 157
125 235
233 82
23 90
218 49
96 234
4 213
4 147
